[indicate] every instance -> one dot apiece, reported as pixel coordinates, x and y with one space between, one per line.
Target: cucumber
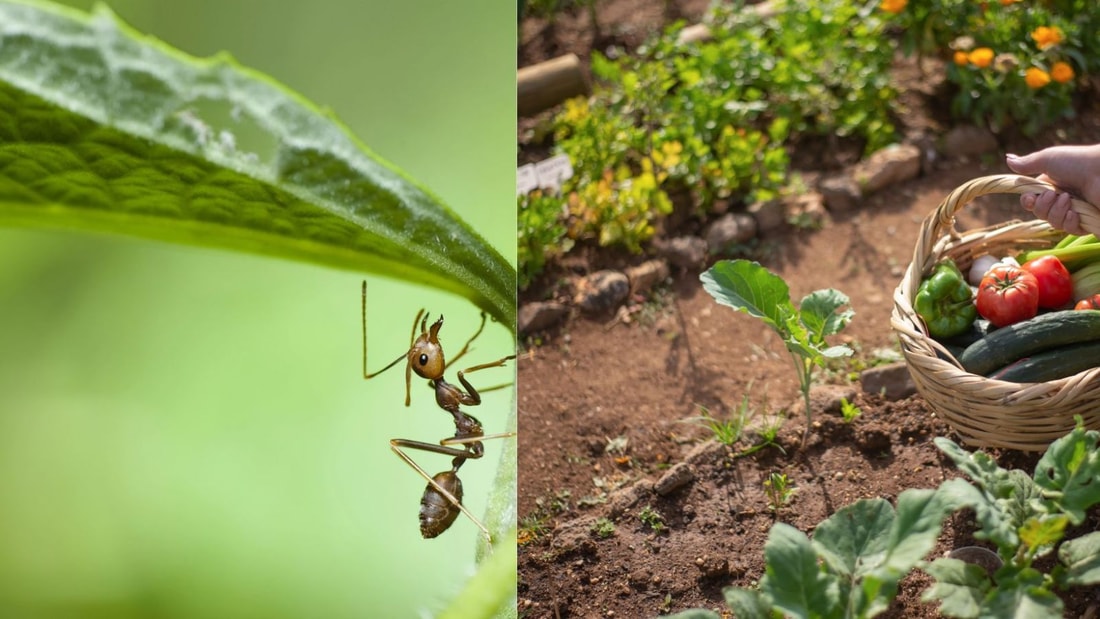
1024 339
1051 364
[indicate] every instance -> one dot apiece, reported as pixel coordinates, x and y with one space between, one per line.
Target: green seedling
652 519
849 411
779 490
729 431
603 528
768 434
751 288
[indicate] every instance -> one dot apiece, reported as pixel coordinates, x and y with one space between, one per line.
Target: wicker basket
987 412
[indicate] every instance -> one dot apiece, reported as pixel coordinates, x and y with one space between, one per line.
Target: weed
849 411
652 519
532 527
779 490
729 431
603 528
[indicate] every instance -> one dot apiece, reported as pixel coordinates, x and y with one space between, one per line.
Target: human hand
1074 170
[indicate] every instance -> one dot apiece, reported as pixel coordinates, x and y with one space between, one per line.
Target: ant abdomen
437 513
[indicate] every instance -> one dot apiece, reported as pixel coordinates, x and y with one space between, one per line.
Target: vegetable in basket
1091 303
1055 282
1008 295
944 301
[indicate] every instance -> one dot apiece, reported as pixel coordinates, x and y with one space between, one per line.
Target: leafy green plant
749 287
728 431
652 519
542 233
603 528
850 568
1026 518
779 491
849 411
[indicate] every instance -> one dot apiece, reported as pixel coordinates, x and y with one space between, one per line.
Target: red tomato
1090 303
1055 283
1008 295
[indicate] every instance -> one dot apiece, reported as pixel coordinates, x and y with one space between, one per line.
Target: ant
442 498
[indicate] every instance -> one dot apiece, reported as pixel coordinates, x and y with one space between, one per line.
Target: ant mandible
442 498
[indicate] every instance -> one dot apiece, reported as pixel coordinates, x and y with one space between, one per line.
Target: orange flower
1061 72
893 6
1036 78
1008 2
981 57
961 59
1045 36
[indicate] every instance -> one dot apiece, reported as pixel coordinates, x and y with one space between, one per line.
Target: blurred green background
185 432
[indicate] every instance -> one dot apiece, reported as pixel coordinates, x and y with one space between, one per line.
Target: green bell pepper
945 301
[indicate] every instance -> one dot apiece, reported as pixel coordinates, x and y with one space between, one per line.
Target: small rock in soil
676 477
601 291
886 167
625 498
575 536
808 210
712 567
728 230
540 315
687 252
841 193
968 141
770 215
646 275
892 381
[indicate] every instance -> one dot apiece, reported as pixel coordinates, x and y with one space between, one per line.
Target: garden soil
607 403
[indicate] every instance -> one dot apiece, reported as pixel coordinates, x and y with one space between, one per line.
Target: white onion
981 266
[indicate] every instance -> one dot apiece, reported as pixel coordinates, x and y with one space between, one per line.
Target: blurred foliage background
185 432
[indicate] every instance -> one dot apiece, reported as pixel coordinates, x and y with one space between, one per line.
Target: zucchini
1052 364
1024 339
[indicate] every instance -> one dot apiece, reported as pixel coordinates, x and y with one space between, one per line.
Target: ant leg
466 348
370 375
472 397
396 445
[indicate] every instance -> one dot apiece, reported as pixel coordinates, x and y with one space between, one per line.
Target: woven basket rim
988 412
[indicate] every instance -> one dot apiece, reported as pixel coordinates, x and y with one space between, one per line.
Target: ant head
425 356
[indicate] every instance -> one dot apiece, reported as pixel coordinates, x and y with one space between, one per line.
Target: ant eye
423 359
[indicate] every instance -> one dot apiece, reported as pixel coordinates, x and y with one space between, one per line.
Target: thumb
1030 164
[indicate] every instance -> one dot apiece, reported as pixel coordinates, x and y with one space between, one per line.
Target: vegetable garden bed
607 408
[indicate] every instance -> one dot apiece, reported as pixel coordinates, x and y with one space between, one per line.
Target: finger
1027 201
1043 203
1063 216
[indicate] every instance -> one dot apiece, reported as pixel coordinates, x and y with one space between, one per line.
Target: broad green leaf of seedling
751 288
1081 558
1068 472
793 580
105 129
960 587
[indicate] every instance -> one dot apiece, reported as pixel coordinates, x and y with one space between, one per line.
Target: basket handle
944 216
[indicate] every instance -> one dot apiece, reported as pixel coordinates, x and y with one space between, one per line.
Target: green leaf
1040 533
697 613
960 587
920 514
793 580
749 287
1068 473
855 537
749 604
1081 557
820 313
104 129
1022 596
